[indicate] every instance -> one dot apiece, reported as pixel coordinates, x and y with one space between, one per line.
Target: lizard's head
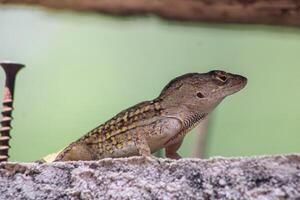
201 92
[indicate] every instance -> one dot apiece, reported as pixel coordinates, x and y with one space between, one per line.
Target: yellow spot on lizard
112 122
137 111
156 106
113 140
147 108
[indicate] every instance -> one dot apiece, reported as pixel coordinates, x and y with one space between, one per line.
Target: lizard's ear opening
200 95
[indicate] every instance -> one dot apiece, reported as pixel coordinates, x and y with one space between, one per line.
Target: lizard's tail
50 158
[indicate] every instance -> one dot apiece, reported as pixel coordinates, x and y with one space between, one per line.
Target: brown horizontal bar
275 12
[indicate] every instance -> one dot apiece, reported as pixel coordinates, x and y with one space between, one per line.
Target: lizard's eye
200 95
221 77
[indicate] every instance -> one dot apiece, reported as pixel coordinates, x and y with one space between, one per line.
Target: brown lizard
160 123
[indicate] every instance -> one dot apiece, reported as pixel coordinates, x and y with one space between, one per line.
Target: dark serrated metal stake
10 69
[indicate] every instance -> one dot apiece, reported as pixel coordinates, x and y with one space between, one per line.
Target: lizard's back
118 136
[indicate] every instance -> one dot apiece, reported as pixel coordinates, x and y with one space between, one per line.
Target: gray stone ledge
264 177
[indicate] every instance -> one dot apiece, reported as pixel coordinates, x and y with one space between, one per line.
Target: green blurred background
84 68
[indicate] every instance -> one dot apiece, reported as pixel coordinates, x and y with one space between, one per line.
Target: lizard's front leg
142 145
171 151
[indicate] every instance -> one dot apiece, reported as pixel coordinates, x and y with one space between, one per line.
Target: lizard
160 123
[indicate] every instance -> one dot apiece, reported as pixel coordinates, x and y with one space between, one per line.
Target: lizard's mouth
238 83
235 84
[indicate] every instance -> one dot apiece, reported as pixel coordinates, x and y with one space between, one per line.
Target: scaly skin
160 123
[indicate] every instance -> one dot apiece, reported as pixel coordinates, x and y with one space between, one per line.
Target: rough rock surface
266 177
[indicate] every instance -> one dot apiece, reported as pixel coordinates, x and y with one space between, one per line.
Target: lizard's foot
149 156
142 146
171 151
175 156
145 151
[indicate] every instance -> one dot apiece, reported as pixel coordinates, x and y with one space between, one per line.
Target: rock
265 177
